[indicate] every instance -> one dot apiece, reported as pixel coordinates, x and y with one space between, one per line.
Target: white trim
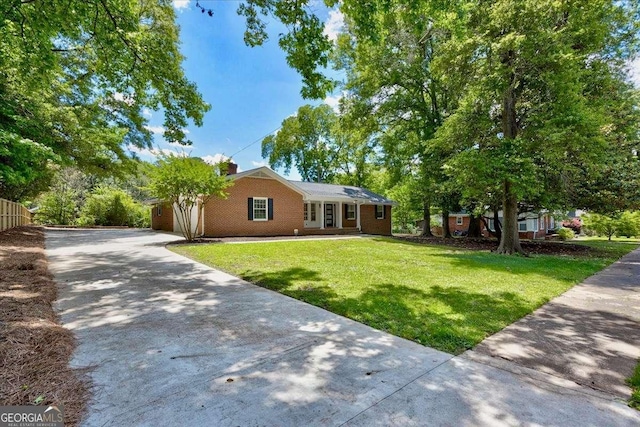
271 174
376 211
266 208
358 217
321 215
202 217
459 220
339 215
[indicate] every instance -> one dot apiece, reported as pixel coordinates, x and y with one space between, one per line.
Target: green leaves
186 183
306 46
307 139
75 77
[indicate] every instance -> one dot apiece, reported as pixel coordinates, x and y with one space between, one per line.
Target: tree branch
122 37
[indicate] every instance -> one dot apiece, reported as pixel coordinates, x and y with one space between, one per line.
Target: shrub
57 208
566 234
574 224
112 206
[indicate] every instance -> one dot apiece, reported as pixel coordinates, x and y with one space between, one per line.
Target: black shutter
344 214
270 209
250 208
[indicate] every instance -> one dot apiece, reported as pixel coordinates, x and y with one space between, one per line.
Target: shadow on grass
450 319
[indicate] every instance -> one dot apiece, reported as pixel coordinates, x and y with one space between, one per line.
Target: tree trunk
446 232
426 218
475 226
510 240
496 223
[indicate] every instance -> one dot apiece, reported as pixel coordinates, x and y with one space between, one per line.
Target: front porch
331 217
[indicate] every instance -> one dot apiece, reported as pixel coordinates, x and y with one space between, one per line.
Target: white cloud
155 129
146 112
333 101
127 99
258 164
181 4
215 159
334 25
186 131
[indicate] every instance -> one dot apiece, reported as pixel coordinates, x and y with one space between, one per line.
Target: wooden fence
13 215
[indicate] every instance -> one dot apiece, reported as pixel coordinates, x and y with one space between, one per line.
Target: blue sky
251 90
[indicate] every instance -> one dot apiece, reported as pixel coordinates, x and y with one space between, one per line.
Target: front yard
442 297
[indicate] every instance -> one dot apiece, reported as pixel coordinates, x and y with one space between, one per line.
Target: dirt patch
35 349
542 247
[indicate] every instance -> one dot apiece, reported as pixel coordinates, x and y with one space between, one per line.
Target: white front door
312 217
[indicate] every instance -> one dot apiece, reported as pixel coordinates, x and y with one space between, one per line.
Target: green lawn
438 296
634 382
618 246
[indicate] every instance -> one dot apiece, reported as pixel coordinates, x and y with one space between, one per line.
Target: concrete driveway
172 342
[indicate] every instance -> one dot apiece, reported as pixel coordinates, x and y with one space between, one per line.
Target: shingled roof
341 192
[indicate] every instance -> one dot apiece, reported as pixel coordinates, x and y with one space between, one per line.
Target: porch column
358 216
322 215
339 214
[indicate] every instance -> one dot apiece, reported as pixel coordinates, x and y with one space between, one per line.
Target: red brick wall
348 222
371 225
230 217
454 227
165 220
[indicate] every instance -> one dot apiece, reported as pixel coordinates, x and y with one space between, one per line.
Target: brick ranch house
532 225
262 203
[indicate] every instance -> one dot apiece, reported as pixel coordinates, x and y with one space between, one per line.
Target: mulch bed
539 247
35 349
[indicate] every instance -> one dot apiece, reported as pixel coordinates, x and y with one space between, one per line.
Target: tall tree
529 120
387 56
308 140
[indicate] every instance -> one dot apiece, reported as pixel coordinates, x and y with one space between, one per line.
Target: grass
438 296
617 247
634 382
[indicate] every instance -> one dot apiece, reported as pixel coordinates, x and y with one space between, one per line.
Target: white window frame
159 210
520 223
459 220
306 211
491 224
376 211
351 212
313 212
266 208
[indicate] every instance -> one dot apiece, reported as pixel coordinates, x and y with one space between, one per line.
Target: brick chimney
232 168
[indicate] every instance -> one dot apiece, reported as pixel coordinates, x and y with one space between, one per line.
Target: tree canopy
76 77
538 112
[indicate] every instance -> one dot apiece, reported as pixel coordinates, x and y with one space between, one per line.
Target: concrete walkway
590 334
172 342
